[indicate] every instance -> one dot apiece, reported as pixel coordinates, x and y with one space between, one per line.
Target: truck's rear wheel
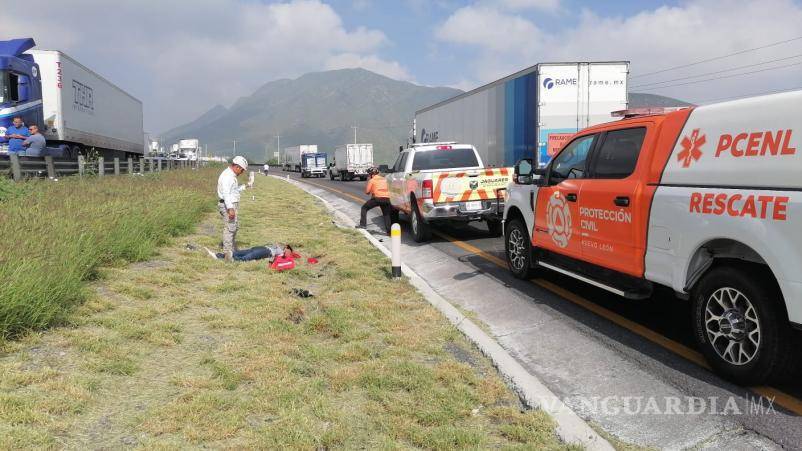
421 231
342 176
741 326
518 249
494 227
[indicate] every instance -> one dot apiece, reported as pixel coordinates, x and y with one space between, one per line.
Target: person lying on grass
255 253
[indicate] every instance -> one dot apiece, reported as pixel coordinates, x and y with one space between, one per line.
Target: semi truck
188 148
291 159
701 200
528 114
76 109
351 161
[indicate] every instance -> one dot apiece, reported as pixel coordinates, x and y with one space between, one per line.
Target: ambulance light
645 111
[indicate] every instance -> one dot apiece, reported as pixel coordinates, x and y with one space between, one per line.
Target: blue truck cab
20 85
313 165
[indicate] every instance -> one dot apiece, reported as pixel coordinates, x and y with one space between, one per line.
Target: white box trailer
188 148
291 160
81 109
530 113
352 160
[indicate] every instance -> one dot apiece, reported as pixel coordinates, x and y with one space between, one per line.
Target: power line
773 44
717 72
725 76
774 91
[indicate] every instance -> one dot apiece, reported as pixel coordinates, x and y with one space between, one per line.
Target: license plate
473 205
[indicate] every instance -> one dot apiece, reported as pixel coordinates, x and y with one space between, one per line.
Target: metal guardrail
22 168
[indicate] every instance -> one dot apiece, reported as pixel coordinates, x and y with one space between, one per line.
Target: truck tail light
426 189
443 147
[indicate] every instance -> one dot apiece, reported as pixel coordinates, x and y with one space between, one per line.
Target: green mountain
637 100
318 108
321 108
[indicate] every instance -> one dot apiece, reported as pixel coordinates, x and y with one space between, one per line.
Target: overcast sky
181 57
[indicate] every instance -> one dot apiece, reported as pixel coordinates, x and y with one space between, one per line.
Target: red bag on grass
282 263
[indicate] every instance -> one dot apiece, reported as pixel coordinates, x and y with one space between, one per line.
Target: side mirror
522 173
540 176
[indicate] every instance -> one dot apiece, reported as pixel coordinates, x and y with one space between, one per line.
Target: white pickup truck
446 182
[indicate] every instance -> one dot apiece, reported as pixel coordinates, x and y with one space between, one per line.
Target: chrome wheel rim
732 326
515 249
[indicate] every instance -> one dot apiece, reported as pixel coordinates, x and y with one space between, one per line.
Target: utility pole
354 127
278 147
234 151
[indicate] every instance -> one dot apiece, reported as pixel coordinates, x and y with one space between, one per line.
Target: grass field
185 351
55 235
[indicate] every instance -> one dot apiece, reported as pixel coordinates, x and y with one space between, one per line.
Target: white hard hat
241 162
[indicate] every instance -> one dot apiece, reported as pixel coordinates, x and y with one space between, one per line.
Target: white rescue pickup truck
705 200
445 182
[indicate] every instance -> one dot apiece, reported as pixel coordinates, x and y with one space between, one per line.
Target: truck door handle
622 201
570 197
532 200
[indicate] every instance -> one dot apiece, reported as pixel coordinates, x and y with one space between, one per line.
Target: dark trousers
373 202
254 253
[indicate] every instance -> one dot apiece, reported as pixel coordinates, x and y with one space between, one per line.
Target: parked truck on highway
291 158
314 165
441 182
351 161
705 201
76 109
188 149
528 114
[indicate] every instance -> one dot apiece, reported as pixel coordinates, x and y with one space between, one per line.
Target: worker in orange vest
380 197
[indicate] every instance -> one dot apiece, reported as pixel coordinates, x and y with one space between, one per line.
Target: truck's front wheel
518 249
741 326
421 231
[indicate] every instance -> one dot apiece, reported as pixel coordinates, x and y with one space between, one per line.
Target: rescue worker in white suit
228 194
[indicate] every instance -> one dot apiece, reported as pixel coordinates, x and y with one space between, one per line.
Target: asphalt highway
659 327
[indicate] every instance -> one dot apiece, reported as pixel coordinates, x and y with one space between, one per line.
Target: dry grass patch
197 353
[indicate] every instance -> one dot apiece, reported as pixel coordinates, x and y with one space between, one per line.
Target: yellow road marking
785 400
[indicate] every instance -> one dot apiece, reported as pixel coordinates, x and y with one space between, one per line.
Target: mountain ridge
322 108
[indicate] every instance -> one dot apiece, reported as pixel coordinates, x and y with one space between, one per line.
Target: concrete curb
569 426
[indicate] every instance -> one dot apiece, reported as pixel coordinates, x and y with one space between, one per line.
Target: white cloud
373 63
488 29
547 5
182 57
653 39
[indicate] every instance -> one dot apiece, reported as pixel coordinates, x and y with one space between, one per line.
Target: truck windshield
444 159
321 161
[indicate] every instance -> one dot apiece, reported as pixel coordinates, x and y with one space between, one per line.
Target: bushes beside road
55 235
